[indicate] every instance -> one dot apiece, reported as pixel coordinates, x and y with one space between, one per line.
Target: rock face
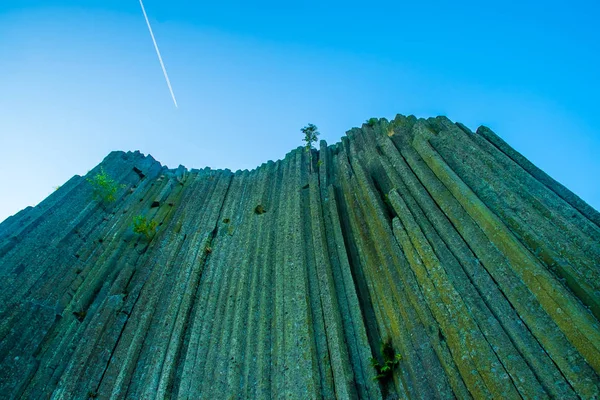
480 270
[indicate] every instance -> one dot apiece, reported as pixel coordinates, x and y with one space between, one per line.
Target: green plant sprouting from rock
310 136
372 122
390 361
105 188
144 227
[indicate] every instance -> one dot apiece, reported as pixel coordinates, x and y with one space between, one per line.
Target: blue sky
79 79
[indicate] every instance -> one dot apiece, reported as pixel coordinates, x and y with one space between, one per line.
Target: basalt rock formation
475 267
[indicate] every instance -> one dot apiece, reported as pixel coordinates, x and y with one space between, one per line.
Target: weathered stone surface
281 283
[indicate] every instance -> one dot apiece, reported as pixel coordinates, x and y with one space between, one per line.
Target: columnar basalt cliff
479 270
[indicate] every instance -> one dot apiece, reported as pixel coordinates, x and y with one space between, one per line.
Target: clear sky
81 78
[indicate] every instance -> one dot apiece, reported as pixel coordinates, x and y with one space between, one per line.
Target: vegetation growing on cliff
310 136
371 122
390 361
142 226
105 188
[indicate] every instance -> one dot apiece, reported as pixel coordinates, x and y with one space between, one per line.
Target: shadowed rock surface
277 283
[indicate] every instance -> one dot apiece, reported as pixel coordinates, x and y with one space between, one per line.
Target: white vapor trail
158 53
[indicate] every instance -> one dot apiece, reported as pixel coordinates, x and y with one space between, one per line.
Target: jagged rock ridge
481 270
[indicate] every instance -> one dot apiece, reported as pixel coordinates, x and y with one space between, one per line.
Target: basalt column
415 259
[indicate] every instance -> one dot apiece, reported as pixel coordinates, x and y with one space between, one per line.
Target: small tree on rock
105 188
310 136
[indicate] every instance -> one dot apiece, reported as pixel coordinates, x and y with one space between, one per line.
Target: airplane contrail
158 53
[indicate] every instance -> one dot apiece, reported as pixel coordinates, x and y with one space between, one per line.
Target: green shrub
104 187
372 122
142 226
390 361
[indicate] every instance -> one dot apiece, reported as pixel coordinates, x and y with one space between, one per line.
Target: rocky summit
414 259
